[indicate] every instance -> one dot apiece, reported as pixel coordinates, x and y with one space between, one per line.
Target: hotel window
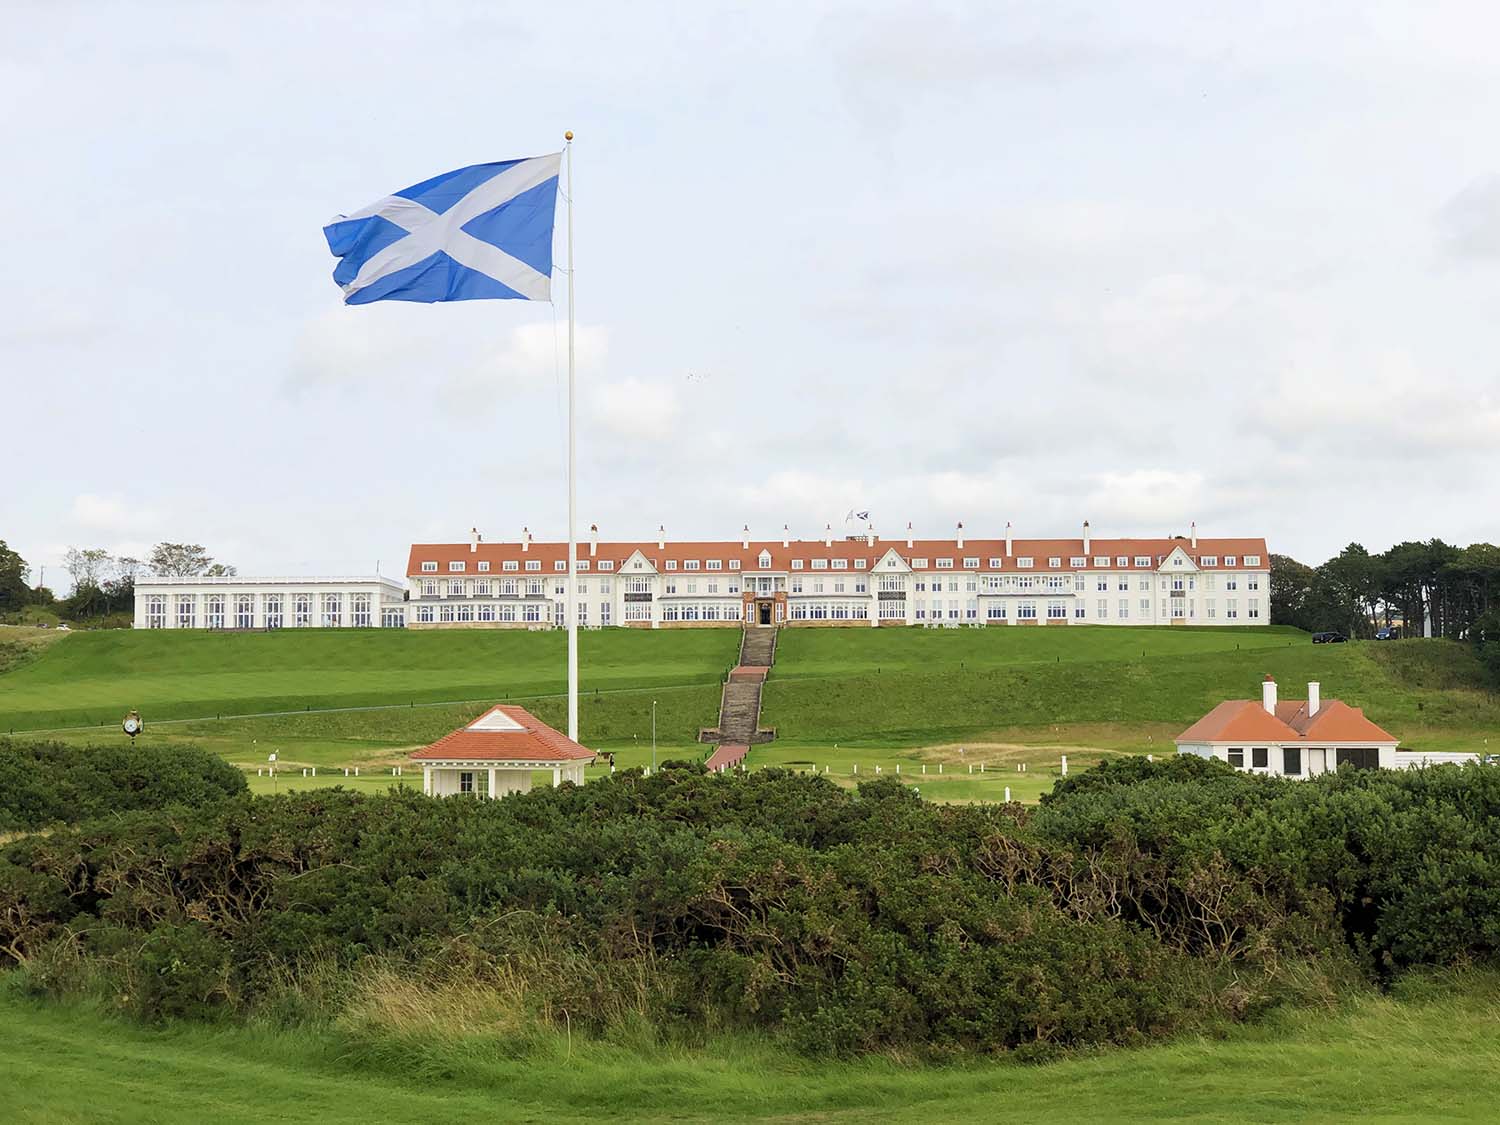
533 564
1260 758
1077 562
995 611
1025 582
764 560
1026 611
1101 560
186 611
1080 583
509 564
840 564
1252 607
1056 611
1232 608
302 610
466 781
1078 608
1145 584
273 611
455 587
1210 581
1232 582
1103 608
359 611
996 564
734 564
482 588
445 613
1055 582
1024 562
560 565
945 564
1177 583
1122 561
637 585
1146 607
583 613
1102 582
859 564
606 564
558 620
425 615
817 586
332 611
455 566
582 564
604 612
1142 560
1291 760
971 564
692 587
796 564
820 564
669 586
1124 609
838 586
1252 582
508 587
1237 757
892 611
671 564
560 589
1209 560
487 611
429 587
393 617
508 611
1179 609
713 564
429 567
213 611
531 612
637 611
1054 562
734 586
690 564
1230 560
465 611
1211 608
156 612
484 566
244 611
1252 560
583 586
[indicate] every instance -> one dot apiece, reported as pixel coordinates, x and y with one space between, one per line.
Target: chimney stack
593 539
908 535
661 537
745 537
1086 538
1008 551
960 535
1268 696
869 535
473 540
1193 534
786 536
526 539
828 535
1314 698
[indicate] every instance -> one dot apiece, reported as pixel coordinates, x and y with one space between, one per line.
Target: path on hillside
739 706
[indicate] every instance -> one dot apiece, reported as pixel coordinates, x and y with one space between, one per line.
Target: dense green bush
1136 900
44 783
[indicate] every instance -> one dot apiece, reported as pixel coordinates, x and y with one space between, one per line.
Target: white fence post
1065 765
1007 794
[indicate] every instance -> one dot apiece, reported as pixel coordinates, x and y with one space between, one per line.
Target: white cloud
95 513
1469 223
636 409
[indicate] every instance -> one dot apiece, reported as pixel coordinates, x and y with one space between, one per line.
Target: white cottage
497 753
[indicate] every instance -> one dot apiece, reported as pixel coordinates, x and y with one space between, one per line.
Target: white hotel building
268 603
859 580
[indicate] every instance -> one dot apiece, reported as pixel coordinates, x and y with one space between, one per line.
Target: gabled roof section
1335 721
504 734
1238 720
1179 561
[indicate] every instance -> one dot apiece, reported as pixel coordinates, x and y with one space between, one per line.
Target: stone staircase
739 706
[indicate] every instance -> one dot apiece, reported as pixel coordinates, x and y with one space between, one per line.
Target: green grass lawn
95 677
1426 1055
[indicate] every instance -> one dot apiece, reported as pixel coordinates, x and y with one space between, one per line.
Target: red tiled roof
516 736
1040 550
1246 720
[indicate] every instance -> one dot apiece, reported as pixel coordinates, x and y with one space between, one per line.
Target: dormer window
764 560
1025 562
690 564
1054 562
840 564
1143 560
606 564
1209 560
1229 560
971 564
561 565
1252 560
820 564
509 564
533 564
1078 562
734 564
671 564
456 567
996 564
945 564
859 564
484 566
429 568
1101 560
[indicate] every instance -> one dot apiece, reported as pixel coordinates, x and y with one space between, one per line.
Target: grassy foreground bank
1427 1053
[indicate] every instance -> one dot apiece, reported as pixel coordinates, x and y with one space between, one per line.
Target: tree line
103 583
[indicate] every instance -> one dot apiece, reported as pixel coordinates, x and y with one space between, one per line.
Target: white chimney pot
1268 695
1314 698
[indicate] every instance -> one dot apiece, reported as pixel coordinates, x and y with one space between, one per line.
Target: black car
1329 638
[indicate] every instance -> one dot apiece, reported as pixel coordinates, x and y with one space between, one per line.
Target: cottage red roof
504 734
1247 720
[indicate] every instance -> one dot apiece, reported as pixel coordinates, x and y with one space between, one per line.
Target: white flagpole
571 605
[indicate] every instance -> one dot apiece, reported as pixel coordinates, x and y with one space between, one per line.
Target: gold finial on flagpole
568 136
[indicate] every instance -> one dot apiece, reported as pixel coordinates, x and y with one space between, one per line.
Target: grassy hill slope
1428 1057
95 677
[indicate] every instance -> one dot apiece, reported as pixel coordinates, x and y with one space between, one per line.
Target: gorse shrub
1134 902
44 783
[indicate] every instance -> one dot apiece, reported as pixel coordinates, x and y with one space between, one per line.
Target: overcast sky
1141 264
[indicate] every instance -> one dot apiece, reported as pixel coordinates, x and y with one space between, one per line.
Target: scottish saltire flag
480 233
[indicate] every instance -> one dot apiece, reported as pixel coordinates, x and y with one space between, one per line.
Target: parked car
1329 638
1385 634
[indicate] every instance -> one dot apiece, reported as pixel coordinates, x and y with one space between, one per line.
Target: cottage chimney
828 535
473 540
745 537
960 535
1193 534
1086 538
1314 698
661 537
593 539
786 536
908 535
526 539
869 535
1268 696
1008 551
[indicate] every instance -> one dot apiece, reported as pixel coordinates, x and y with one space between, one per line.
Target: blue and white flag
480 233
